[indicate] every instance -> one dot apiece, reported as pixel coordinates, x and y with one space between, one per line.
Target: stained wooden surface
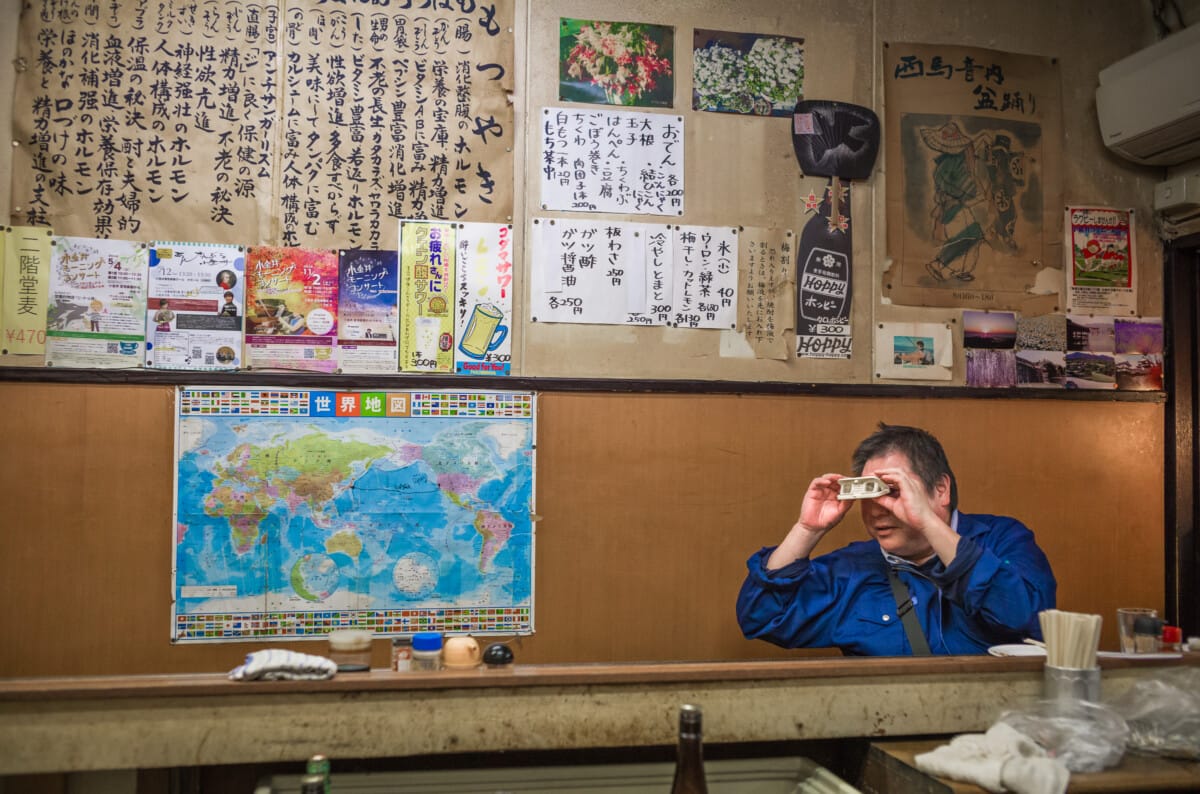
895 761
648 504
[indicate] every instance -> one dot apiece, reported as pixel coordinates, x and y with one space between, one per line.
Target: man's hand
820 512
909 502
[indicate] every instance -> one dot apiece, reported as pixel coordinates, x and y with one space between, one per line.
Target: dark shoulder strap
904 608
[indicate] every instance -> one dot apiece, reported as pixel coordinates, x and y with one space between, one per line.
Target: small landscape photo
1138 336
1041 369
989 330
1090 371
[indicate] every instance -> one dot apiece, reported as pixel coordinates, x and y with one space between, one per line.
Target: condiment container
1172 639
350 649
1147 633
461 653
427 651
402 653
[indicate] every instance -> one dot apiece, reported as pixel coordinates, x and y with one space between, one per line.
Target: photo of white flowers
747 73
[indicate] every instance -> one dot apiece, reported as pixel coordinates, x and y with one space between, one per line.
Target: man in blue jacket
972 581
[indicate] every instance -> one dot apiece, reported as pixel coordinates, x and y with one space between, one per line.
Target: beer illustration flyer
368 311
484 272
195 306
291 308
427 295
96 315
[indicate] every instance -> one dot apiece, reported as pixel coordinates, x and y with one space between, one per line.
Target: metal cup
1071 683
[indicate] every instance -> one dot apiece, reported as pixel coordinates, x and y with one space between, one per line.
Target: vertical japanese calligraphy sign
394 111
427 297
134 119
1102 261
368 311
96 312
291 308
611 161
766 313
974 190
590 272
483 270
26 259
706 277
301 123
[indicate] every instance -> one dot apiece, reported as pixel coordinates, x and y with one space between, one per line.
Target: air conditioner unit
1149 103
1177 205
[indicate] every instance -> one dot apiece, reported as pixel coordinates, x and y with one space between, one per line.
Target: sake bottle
689 759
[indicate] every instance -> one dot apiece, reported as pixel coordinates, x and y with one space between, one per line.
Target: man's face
894 536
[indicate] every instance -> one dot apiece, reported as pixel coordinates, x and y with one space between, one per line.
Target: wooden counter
891 767
79 724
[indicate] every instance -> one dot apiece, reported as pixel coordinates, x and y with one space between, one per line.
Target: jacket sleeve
1001 577
791 607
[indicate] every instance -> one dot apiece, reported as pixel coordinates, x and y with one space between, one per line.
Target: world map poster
300 511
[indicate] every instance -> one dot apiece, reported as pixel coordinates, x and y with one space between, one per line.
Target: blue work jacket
990 594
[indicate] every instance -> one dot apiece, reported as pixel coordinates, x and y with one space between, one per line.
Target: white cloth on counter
1003 759
276 664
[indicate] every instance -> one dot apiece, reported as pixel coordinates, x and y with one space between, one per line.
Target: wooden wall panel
649 506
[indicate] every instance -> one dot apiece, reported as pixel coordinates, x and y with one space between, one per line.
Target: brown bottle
689 760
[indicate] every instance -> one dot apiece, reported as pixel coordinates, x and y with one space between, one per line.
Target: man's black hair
924 453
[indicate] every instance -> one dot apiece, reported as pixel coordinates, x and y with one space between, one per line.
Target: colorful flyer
427 291
291 308
97 303
484 270
368 311
25 253
1103 263
195 306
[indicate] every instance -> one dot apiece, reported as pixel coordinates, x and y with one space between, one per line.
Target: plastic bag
1163 713
1084 736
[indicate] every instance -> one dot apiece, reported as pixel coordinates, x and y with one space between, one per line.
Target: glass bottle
689 759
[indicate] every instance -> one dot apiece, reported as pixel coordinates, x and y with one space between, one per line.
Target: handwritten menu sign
301 123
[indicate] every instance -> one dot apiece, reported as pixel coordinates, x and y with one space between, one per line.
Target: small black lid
497 654
1144 624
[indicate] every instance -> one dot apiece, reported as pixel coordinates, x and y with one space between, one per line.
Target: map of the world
299 512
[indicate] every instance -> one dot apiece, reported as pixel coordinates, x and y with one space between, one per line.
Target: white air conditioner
1149 103
1177 203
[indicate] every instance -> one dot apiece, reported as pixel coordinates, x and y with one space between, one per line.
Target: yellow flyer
25 253
426 297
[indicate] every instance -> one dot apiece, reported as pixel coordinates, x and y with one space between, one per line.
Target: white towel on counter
1003 759
276 664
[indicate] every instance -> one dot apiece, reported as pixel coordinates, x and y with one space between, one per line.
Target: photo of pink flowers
616 63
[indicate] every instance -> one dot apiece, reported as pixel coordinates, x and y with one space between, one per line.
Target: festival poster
26 256
483 268
368 311
291 308
1102 265
974 188
196 299
427 294
96 315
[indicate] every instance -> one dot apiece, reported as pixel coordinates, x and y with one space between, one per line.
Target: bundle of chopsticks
1071 638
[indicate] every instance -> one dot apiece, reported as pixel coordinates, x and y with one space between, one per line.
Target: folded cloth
1003 759
275 664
